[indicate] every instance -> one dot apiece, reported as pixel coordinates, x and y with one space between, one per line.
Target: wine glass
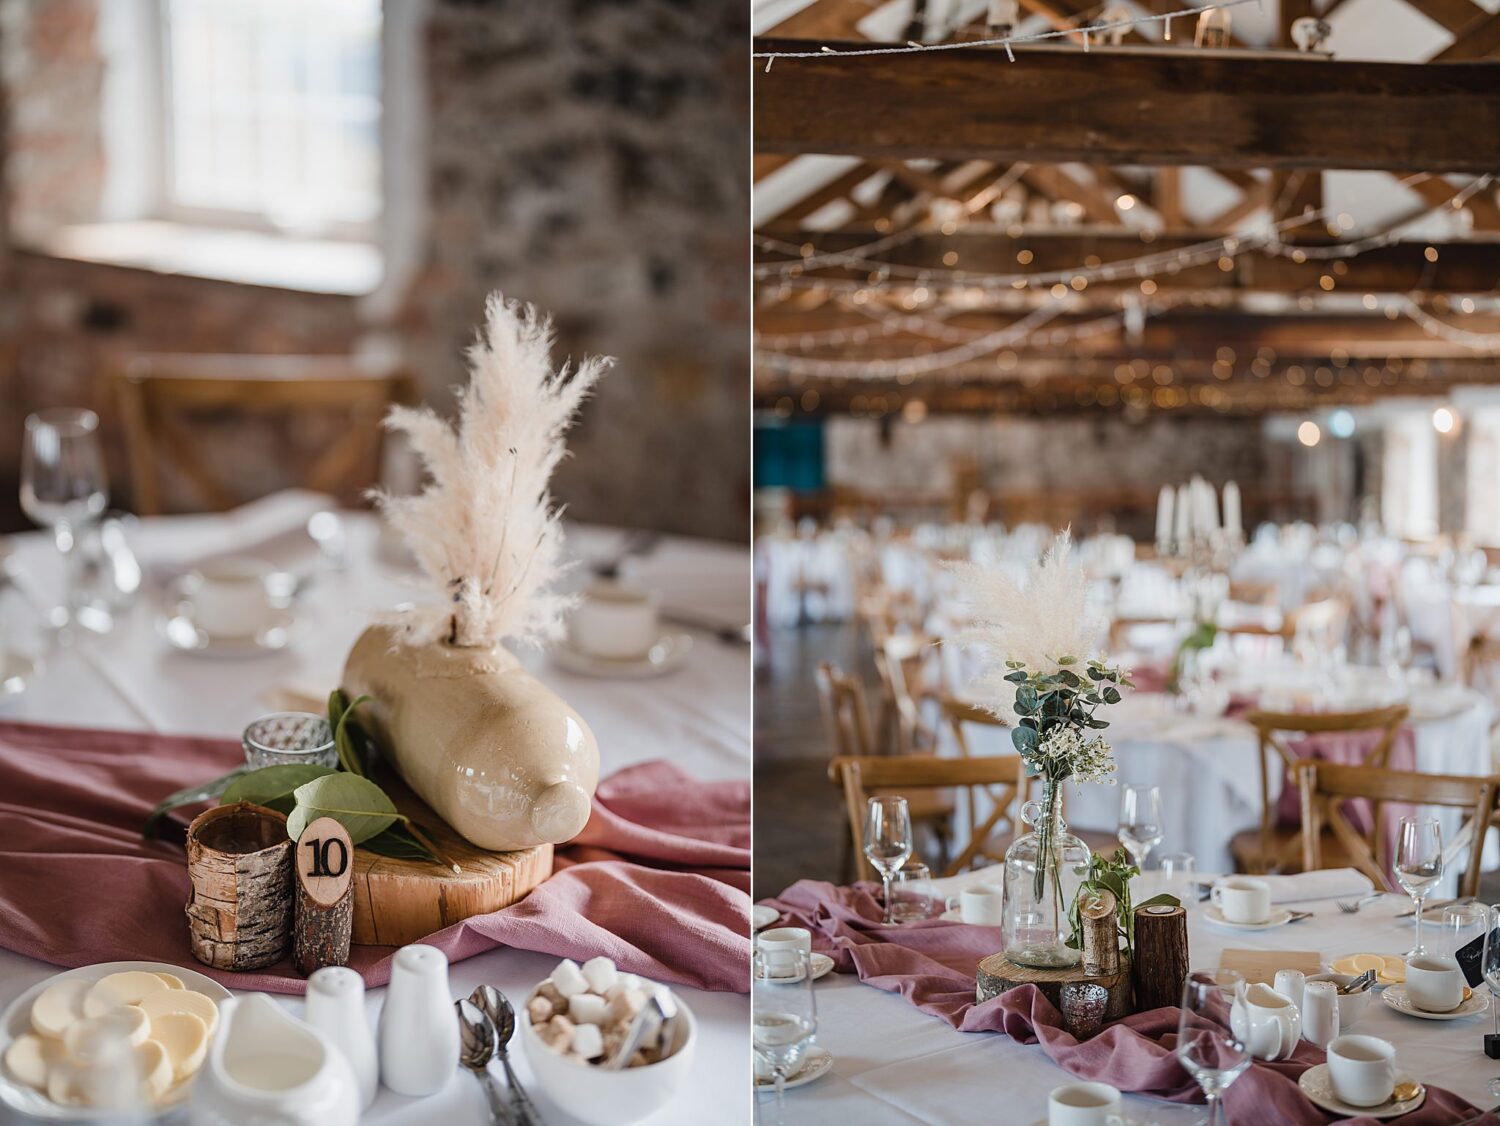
1489 961
784 1014
1206 1045
888 843
1419 865
63 487
1140 820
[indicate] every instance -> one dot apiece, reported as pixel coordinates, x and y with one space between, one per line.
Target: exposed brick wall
590 157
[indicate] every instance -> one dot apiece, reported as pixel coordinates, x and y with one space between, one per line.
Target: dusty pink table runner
659 880
933 965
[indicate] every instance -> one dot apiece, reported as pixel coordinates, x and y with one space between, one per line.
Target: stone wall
588 157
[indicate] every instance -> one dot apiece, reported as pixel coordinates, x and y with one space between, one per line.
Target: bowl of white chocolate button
97 1041
573 1027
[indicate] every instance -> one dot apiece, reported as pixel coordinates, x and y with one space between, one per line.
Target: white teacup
236 596
1084 1104
1242 899
614 622
1362 1069
1435 985
781 945
981 905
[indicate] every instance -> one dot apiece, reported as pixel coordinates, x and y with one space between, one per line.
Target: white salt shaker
1320 1012
1289 983
418 1031
336 1008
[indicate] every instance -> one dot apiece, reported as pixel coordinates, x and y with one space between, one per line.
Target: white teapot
267 1068
1268 1023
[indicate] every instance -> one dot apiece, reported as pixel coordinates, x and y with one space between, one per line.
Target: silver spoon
492 1003
1361 983
476 1047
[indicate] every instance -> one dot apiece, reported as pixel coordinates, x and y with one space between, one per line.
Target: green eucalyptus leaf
356 803
1025 738
1112 696
397 842
192 795
274 786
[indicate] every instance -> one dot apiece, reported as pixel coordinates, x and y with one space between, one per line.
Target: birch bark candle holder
240 908
324 918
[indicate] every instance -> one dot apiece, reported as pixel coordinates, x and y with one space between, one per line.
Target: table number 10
325 899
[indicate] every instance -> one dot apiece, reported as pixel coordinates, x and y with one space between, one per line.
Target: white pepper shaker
1320 1012
336 1008
418 1032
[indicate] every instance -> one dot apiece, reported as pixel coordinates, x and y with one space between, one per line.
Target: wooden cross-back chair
903 662
1326 786
914 777
158 394
847 722
1269 848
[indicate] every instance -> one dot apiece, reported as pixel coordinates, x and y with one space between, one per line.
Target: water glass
1140 820
1419 865
784 1015
1206 1045
290 737
63 487
888 843
913 891
1489 962
1462 924
1179 876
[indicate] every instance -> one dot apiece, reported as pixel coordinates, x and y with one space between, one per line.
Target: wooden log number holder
1161 956
324 923
1103 963
240 866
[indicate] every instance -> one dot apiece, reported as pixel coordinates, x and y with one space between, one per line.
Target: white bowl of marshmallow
572 1027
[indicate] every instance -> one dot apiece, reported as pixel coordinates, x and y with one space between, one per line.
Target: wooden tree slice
399 901
998 974
324 925
240 866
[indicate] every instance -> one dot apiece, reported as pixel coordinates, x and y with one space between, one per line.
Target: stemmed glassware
1206 1045
888 843
1140 820
783 1012
1489 962
63 487
1419 865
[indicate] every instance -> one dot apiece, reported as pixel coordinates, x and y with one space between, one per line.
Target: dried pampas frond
1035 621
483 529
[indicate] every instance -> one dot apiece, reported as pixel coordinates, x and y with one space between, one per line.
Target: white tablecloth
894 1065
698 718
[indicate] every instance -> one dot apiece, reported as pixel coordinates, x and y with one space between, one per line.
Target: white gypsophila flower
1065 753
1034 621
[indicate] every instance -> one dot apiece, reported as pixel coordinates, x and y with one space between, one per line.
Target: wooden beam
767 162
1132 106
1478 41
1435 192
1461 267
837 188
1059 187
824 19
1453 16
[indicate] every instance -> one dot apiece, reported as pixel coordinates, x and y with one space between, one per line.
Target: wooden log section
1131 107
1101 934
998 974
324 922
240 908
1161 956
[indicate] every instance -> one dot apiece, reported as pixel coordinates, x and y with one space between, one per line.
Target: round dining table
698 716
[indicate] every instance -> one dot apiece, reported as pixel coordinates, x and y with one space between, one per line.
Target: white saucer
1318 1087
815 1064
16 672
667 655
17 1019
761 916
1280 917
1397 997
821 966
185 635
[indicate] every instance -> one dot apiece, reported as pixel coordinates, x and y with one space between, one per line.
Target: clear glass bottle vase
1043 872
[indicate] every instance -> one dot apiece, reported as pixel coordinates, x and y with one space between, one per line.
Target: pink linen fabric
659 880
933 965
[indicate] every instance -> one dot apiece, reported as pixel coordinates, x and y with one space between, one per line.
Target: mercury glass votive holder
1083 1005
290 737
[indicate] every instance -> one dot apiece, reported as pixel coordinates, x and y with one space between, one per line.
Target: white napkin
1330 883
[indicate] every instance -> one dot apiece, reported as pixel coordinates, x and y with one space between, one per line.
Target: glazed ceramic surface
1266 1021
489 747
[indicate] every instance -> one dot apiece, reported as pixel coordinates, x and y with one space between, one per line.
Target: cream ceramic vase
490 748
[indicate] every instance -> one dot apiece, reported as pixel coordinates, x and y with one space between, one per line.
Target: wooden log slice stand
324 921
998 974
398 901
240 907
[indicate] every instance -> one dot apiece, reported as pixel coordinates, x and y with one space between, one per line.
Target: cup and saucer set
231 607
615 632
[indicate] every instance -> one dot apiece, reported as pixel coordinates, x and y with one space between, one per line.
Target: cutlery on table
1360 984
493 1004
1351 907
1298 916
1437 905
639 542
722 631
476 1047
654 1019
